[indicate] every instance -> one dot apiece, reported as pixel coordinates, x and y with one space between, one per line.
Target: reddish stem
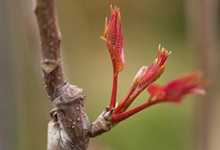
124 100
114 91
132 98
119 117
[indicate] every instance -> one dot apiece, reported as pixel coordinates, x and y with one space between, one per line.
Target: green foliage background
145 25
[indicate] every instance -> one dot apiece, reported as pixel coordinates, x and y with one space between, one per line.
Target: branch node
102 124
49 65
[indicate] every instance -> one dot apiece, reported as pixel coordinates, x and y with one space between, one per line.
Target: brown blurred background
190 29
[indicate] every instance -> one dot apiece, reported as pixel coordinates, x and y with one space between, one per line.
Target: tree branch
54 79
69 128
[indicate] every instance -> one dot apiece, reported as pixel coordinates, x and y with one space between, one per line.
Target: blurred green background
24 106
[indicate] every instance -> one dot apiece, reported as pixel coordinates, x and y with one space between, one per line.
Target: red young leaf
176 89
114 40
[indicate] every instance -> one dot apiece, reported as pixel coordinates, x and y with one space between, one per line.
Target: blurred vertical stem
202 33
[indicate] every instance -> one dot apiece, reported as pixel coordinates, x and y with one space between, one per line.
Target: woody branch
69 127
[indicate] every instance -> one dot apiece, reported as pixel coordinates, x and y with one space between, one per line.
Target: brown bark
69 121
51 64
69 128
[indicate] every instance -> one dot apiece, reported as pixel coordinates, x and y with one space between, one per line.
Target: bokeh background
190 29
